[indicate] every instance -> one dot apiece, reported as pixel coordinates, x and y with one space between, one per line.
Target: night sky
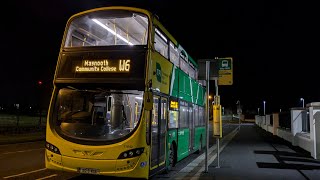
273 45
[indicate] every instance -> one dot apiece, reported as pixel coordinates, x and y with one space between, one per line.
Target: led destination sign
104 66
174 105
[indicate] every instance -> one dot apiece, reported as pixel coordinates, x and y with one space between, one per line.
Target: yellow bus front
97 123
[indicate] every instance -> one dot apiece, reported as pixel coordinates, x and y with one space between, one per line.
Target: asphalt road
26 161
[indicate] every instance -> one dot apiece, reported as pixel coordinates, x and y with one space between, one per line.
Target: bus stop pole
207 115
218 138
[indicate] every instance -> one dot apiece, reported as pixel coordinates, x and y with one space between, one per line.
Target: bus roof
144 11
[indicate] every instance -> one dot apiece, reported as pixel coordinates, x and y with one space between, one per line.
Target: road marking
22 151
53 175
25 173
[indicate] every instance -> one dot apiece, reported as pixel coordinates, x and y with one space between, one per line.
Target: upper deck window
174 54
108 28
184 66
161 43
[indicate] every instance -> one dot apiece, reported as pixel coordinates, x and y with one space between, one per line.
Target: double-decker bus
126 100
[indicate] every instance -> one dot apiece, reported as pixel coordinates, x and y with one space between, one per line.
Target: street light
301 99
264 107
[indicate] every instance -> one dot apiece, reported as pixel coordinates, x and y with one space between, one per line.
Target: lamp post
301 99
238 107
264 107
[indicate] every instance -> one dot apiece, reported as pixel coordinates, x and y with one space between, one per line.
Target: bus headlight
52 148
131 153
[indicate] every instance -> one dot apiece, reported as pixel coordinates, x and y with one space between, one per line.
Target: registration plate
88 171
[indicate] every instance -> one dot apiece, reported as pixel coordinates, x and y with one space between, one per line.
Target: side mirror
148 101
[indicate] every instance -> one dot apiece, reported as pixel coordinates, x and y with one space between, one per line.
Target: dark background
274 46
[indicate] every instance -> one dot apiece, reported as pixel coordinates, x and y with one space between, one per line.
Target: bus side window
183 62
160 43
174 54
192 72
183 120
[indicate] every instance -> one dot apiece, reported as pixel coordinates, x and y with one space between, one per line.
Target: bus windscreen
97 114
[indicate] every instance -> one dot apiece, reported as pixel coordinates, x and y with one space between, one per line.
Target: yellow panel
217 124
225 77
161 73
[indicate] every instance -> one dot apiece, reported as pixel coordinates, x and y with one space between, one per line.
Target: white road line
22 151
25 173
53 175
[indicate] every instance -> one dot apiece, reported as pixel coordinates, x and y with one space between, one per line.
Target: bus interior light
110 30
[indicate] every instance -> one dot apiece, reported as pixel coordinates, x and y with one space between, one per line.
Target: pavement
252 153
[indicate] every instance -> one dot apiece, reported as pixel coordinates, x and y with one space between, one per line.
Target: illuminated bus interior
108 28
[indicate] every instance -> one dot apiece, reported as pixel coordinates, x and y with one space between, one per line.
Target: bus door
191 127
159 129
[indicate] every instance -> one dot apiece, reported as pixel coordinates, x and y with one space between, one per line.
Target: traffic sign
225 71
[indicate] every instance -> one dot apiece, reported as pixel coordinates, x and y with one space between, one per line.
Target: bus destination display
104 66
